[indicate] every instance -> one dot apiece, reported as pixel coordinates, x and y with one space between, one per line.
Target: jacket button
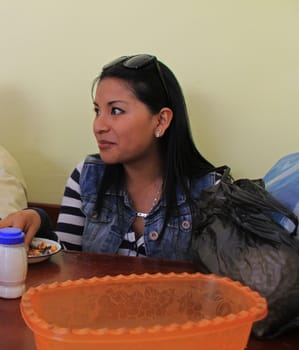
185 225
153 235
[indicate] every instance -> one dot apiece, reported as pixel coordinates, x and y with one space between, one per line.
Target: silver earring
157 133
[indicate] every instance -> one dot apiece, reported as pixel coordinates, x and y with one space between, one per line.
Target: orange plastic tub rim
162 311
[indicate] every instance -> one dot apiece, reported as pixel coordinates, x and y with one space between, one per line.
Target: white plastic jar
13 263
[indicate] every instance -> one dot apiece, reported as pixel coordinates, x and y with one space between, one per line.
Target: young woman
138 195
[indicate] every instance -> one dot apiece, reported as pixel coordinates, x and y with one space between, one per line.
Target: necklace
140 214
143 215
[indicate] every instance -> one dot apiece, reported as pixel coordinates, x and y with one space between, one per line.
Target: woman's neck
144 173
144 185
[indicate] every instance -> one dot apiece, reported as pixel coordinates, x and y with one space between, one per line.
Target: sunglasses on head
138 62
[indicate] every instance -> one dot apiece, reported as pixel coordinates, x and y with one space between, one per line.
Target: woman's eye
97 111
116 111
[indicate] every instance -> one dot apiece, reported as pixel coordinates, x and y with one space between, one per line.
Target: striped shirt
71 221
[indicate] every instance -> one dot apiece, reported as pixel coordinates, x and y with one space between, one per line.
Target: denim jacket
104 231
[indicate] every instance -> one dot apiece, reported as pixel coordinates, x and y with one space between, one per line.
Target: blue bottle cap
11 235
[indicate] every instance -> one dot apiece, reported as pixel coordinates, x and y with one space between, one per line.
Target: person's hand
28 221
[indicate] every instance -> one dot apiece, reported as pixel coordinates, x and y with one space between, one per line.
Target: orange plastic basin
149 311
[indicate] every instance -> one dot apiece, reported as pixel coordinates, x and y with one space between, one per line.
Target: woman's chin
109 159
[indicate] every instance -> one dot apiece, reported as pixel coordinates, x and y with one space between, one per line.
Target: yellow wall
237 61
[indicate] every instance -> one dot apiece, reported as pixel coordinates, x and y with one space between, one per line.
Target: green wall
237 61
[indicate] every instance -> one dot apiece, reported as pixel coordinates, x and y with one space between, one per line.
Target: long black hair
181 160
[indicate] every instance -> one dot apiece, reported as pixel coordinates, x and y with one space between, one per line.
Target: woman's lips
104 144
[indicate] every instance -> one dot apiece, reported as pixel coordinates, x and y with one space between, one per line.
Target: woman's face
124 127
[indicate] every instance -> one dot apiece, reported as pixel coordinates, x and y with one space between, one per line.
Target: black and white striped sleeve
71 220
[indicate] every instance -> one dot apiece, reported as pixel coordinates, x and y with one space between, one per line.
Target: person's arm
70 223
35 221
45 230
12 185
28 220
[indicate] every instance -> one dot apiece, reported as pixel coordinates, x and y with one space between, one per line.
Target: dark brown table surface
15 335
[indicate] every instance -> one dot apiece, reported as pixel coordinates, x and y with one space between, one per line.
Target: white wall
237 61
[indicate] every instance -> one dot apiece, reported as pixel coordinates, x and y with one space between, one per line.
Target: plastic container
159 311
13 263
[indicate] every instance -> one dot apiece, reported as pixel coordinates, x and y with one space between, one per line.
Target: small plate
32 259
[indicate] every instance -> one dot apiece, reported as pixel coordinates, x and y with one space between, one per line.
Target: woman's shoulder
201 182
89 162
93 159
208 179
92 173
93 163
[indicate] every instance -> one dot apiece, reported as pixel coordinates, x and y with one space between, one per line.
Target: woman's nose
101 124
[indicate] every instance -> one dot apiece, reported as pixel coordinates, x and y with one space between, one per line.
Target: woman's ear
164 118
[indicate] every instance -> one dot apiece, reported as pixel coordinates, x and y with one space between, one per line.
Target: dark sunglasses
139 62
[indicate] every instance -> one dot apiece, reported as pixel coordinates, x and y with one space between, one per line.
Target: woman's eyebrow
116 101
110 102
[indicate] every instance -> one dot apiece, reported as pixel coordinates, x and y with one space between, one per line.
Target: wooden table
15 335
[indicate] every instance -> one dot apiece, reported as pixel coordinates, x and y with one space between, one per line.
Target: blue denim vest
104 231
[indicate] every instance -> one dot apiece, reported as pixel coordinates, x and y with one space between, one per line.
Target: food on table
41 248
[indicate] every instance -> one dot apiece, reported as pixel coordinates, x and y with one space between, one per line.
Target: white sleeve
13 189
